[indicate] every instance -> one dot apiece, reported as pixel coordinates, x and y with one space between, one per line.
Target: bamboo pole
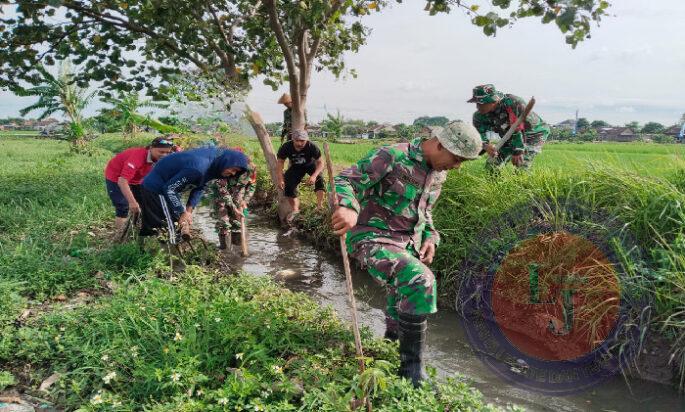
348 272
243 236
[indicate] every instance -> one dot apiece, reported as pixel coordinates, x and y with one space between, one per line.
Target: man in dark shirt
304 158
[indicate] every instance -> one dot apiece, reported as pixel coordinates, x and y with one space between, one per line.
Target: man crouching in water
384 202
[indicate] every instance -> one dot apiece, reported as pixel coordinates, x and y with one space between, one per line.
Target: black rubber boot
235 238
222 241
392 326
412 343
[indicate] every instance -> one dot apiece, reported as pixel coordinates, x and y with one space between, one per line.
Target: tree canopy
653 127
430 121
596 124
582 124
230 41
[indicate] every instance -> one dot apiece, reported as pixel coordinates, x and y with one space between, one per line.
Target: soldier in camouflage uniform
286 130
496 113
286 101
385 203
230 197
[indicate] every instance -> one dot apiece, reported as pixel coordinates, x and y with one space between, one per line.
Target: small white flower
277 369
239 356
223 401
258 408
62 329
109 377
175 377
96 400
178 337
104 358
199 392
217 320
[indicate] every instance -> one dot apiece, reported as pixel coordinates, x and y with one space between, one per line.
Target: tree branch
227 60
282 41
120 22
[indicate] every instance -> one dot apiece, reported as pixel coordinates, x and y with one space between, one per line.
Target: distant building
566 124
675 131
382 130
427 131
316 130
46 124
617 134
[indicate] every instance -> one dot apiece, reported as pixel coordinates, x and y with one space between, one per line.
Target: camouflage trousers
533 147
226 220
410 284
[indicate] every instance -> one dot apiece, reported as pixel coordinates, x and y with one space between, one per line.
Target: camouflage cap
300 134
459 138
485 93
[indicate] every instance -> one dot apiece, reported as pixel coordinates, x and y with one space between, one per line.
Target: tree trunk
269 155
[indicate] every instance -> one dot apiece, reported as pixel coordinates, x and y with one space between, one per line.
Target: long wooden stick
243 236
348 271
512 129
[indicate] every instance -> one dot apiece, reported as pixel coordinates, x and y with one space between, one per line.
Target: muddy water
300 267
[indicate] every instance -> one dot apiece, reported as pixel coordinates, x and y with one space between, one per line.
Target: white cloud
626 109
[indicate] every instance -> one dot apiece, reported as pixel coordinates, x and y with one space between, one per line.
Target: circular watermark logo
544 300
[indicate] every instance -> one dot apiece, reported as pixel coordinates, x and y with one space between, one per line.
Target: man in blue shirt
190 170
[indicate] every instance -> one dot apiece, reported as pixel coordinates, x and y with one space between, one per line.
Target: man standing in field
286 130
304 158
286 101
385 202
496 113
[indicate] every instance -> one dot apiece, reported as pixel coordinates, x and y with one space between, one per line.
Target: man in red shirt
125 172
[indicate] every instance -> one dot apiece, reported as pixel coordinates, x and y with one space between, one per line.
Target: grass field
123 332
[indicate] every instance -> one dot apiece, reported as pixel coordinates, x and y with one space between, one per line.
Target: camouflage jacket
505 114
287 123
234 190
393 190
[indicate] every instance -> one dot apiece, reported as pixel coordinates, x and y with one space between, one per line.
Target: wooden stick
243 236
513 127
270 156
348 271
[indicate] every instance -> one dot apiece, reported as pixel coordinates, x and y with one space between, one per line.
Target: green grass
19 133
172 345
164 340
631 195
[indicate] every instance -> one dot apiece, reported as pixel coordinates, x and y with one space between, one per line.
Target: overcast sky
633 68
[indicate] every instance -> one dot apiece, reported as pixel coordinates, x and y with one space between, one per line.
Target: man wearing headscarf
189 170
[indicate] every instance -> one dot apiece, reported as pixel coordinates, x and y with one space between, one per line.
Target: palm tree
127 106
334 124
59 94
